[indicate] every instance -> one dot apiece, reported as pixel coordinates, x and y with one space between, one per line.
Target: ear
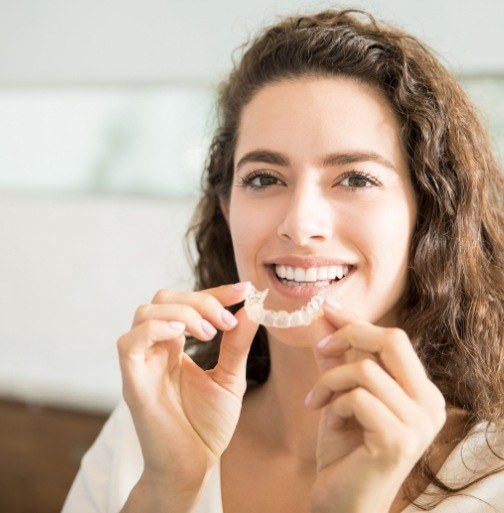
224 206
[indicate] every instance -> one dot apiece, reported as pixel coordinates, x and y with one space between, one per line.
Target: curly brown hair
453 307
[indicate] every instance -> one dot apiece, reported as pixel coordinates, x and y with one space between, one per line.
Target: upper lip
306 261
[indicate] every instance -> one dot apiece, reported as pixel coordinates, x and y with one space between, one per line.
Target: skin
337 426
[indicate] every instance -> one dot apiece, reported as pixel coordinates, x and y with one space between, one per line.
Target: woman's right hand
185 416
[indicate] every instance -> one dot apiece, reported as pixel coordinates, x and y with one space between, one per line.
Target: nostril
284 236
304 233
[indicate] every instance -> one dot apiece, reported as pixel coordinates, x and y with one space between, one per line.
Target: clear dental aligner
254 306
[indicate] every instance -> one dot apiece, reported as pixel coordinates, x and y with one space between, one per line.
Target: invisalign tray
254 306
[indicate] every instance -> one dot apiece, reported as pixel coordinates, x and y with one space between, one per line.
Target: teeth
322 273
311 274
299 274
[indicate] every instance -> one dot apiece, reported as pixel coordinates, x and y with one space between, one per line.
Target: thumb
230 371
336 316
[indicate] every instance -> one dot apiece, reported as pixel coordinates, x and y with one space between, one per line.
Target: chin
303 336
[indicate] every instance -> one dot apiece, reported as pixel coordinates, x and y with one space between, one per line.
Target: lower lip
303 292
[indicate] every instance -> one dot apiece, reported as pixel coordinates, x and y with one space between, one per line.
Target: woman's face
321 187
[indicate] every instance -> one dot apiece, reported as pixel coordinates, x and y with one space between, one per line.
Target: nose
307 218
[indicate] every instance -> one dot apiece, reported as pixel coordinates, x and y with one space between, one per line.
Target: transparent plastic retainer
254 306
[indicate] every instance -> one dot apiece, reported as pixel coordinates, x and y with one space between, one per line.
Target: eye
357 180
259 180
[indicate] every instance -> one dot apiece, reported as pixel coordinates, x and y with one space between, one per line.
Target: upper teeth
311 274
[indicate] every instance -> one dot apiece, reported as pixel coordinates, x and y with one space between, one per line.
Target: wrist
154 493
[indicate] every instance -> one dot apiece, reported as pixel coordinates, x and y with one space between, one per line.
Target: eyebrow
332 159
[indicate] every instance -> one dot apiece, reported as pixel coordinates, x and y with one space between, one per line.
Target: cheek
252 221
240 246
248 231
382 231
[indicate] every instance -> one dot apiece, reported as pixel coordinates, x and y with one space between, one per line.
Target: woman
348 161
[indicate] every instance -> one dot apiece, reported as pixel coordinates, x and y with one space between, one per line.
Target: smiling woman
348 164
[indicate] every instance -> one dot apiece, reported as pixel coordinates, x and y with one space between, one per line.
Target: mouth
309 277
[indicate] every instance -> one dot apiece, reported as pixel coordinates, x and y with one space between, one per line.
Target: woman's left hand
380 412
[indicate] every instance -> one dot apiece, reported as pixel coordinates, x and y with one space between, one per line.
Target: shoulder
476 468
481 451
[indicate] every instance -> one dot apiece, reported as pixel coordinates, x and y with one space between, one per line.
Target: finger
230 294
369 375
341 318
208 303
226 295
140 339
384 434
142 372
201 320
230 371
391 345
173 351
338 315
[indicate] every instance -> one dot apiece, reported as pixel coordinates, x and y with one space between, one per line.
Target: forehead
307 117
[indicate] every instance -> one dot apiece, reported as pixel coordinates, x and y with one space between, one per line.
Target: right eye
259 180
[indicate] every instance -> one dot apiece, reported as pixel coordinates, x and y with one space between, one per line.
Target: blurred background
106 112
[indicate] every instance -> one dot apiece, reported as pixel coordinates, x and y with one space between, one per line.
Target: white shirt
113 465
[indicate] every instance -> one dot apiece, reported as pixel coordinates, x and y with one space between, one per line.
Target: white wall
96 41
72 271
74 268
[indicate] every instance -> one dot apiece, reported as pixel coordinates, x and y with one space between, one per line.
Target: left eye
260 181
357 181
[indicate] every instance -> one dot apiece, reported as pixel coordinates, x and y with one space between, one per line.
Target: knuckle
141 313
397 337
149 327
359 396
162 296
122 344
366 370
207 301
402 446
187 314
351 329
409 449
393 447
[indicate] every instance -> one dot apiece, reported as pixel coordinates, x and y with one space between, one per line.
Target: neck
277 407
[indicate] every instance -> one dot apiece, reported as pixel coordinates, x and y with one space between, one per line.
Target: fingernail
208 328
308 397
177 325
228 318
241 286
333 303
324 342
